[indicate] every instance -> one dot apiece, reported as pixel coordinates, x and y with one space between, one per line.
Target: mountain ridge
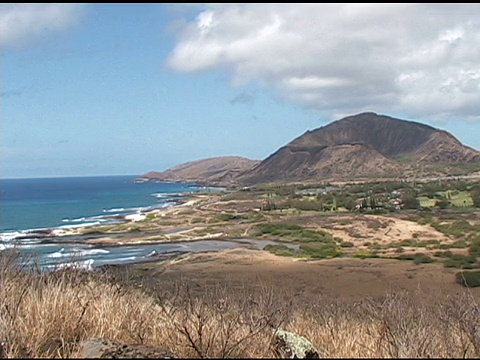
215 171
364 145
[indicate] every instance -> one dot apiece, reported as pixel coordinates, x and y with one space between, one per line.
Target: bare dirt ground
340 279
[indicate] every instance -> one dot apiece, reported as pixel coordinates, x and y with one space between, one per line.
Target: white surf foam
86 265
114 210
75 252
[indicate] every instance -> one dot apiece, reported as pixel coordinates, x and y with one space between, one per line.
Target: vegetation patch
281 250
418 258
230 217
292 232
459 261
457 228
468 278
320 251
366 255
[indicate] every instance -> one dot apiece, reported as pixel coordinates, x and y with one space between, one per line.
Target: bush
320 251
459 244
474 249
421 258
280 250
442 203
475 194
347 244
418 258
460 261
294 232
410 201
468 278
229 217
366 255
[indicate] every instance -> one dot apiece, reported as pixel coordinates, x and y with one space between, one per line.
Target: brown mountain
364 145
220 171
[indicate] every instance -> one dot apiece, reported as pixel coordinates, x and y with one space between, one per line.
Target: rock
3 352
293 346
105 348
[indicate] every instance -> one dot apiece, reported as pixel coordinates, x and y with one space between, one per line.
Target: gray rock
109 349
290 345
3 351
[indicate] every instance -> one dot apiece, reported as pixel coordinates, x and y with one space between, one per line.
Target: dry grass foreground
48 315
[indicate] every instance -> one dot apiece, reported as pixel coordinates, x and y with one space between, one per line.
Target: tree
373 203
475 194
410 201
442 204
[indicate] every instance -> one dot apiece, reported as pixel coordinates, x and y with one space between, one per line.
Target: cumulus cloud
20 23
417 59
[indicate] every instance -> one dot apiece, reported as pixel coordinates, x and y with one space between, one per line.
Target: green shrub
294 232
474 249
421 258
468 278
229 217
346 244
365 255
320 251
281 250
418 258
442 203
443 254
475 195
459 244
460 261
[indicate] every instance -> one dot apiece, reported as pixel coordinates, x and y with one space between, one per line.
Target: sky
120 89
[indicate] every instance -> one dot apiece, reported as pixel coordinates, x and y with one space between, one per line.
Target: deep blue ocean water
79 201
32 204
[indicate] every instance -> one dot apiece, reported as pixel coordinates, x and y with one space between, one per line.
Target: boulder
105 348
290 345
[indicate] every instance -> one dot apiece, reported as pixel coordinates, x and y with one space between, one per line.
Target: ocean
27 204
31 208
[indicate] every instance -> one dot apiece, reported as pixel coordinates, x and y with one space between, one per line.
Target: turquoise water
79 201
27 205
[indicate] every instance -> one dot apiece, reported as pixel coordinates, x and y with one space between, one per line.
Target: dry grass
48 315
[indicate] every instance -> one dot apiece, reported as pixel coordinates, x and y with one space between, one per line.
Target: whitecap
80 225
6 246
114 210
10 235
153 253
125 259
77 253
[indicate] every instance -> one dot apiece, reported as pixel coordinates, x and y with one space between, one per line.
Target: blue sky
104 89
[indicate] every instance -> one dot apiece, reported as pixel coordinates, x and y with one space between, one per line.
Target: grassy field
49 315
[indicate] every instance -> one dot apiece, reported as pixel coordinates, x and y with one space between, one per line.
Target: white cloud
22 22
422 60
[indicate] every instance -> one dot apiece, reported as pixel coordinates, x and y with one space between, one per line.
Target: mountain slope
212 171
363 145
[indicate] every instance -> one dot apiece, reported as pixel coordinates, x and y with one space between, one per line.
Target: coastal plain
373 259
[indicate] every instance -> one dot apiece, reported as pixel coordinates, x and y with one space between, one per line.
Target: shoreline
179 200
